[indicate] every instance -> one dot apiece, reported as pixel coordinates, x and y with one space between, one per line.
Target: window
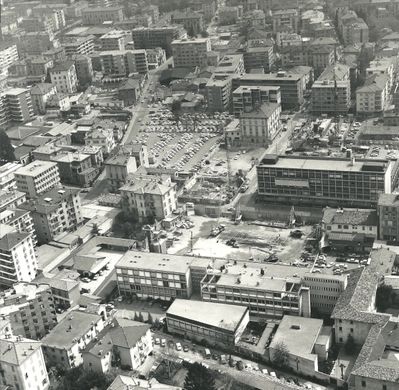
340 328
363 383
384 387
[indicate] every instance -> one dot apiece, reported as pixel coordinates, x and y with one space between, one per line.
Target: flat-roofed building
7 179
99 15
18 105
117 169
8 55
388 217
217 323
63 76
325 181
114 40
231 64
218 92
329 96
291 85
154 275
37 177
192 21
190 52
285 20
245 99
124 62
79 45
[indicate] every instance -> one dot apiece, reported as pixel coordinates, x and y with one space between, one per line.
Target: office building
148 197
117 169
291 85
8 55
78 45
64 77
154 275
124 62
64 344
17 255
153 37
55 211
99 15
191 21
37 177
114 40
190 52
217 323
11 199
30 308
245 99
261 125
325 181
218 92
22 364
18 105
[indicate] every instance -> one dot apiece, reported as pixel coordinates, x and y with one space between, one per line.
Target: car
163 342
223 359
273 374
185 348
86 280
157 341
215 356
178 347
265 371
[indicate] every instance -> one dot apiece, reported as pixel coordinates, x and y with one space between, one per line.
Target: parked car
185 348
163 342
178 347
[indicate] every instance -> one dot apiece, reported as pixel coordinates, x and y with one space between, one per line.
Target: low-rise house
126 342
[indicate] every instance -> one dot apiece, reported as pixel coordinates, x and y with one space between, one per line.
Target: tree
350 345
150 320
6 149
204 34
384 297
199 378
79 379
280 354
140 317
175 108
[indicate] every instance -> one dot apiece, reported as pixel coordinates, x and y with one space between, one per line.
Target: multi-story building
66 291
54 212
372 97
101 137
218 92
84 69
286 20
79 45
38 66
291 85
8 55
39 94
30 308
388 217
22 364
153 37
117 169
154 275
245 99
18 105
124 62
18 260
7 180
261 125
138 151
64 344
37 177
99 15
64 77
20 219
128 340
11 199
190 52
56 13
231 64
355 30
36 24
149 198
325 181
259 55
382 66
217 323
114 40
35 43
192 21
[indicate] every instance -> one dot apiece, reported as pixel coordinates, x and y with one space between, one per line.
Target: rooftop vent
296 327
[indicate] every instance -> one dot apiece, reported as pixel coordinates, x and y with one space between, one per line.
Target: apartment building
191 21
55 211
63 76
103 138
148 197
124 62
18 105
30 309
355 30
286 20
36 24
84 69
154 275
20 219
325 181
382 66
37 177
8 55
331 97
22 364
11 199
388 217
7 180
66 291
217 323
231 64
259 55
373 96
117 169
218 92
153 37
114 40
64 344
245 99
190 52
128 340
99 15
291 85
79 45
40 94
138 151
18 260
261 125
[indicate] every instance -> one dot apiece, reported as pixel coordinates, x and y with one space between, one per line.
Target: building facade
190 52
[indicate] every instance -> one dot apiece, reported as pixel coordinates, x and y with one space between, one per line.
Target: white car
178 347
157 341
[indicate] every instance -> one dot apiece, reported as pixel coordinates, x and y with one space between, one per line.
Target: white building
7 179
37 177
64 77
373 96
190 52
8 55
101 137
117 169
22 364
18 260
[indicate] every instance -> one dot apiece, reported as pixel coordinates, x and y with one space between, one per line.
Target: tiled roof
350 216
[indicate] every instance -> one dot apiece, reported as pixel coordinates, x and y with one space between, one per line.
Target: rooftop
35 168
122 382
350 216
16 350
266 110
213 314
